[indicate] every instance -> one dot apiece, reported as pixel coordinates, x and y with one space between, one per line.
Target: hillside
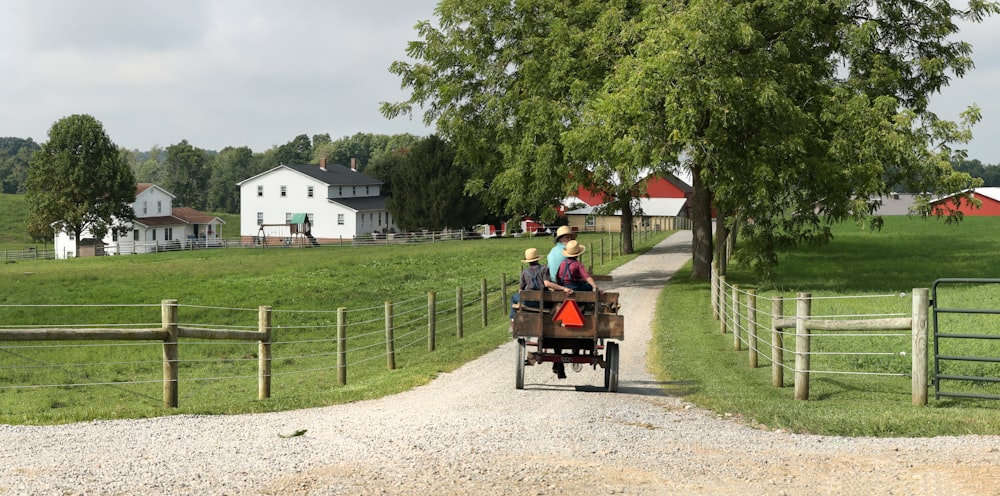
14 235
13 215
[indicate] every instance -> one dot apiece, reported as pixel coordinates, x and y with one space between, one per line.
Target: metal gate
966 327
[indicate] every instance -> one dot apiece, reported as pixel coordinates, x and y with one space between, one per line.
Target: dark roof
335 174
179 217
678 182
361 203
192 216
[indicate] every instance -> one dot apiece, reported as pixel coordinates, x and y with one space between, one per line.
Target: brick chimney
354 164
322 164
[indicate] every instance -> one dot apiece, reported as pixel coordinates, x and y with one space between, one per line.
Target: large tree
789 115
428 188
229 167
15 155
187 174
79 182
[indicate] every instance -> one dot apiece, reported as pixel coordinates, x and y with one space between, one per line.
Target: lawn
222 289
699 362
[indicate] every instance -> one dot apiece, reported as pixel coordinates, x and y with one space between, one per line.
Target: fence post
342 346
722 304
264 353
777 345
504 301
737 344
485 303
919 351
459 310
714 290
168 314
752 326
431 319
602 251
390 341
803 307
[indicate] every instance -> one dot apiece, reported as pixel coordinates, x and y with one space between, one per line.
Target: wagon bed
537 325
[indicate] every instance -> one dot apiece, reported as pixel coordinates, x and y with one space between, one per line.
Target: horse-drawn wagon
578 329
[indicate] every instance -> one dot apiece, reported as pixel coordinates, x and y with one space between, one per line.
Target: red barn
665 186
990 198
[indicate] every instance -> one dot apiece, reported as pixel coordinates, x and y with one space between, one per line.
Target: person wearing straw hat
534 277
563 235
571 273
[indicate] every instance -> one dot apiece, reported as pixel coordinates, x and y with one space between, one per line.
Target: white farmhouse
321 203
158 226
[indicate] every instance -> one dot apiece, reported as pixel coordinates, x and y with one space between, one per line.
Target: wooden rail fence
730 316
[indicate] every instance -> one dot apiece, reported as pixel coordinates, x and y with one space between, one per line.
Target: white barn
158 226
321 203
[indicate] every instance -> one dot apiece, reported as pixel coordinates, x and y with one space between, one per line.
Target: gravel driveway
471 432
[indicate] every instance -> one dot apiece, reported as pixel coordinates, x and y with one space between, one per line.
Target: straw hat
564 230
574 249
531 255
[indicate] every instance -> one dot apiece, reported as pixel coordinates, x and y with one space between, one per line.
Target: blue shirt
556 258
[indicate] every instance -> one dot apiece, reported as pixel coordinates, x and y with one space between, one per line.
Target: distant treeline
206 179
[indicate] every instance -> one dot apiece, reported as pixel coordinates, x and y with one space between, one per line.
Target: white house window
590 221
154 234
354 191
260 218
135 235
288 218
310 193
380 219
72 236
340 191
168 233
260 190
159 206
340 219
114 235
284 191
144 209
366 191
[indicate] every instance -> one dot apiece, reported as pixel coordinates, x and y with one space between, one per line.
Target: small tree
79 182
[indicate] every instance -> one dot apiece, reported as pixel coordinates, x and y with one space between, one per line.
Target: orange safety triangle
569 313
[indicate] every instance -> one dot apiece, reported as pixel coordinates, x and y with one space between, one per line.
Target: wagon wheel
611 367
519 370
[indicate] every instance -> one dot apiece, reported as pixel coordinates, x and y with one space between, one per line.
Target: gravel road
471 432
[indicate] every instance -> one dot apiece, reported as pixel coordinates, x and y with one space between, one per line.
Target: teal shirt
556 258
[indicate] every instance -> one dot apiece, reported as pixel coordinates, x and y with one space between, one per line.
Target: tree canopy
789 115
427 187
79 181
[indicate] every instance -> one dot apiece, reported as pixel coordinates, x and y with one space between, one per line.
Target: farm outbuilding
989 197
658 214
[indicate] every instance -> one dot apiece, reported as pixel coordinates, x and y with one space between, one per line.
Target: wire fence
855 335
134 348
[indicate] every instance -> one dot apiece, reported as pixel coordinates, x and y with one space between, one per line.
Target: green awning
298 218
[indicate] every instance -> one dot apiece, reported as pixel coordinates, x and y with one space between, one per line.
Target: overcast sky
260 72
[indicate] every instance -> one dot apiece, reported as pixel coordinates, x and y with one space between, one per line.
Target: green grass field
222 288
698 361
692 357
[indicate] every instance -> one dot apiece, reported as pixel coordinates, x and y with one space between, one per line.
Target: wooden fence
731 313
170 333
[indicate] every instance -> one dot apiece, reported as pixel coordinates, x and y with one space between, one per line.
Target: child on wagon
571 272
534 277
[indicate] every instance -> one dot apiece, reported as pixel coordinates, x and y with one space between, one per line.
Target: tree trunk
78 231
721 245
627 220
701 227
